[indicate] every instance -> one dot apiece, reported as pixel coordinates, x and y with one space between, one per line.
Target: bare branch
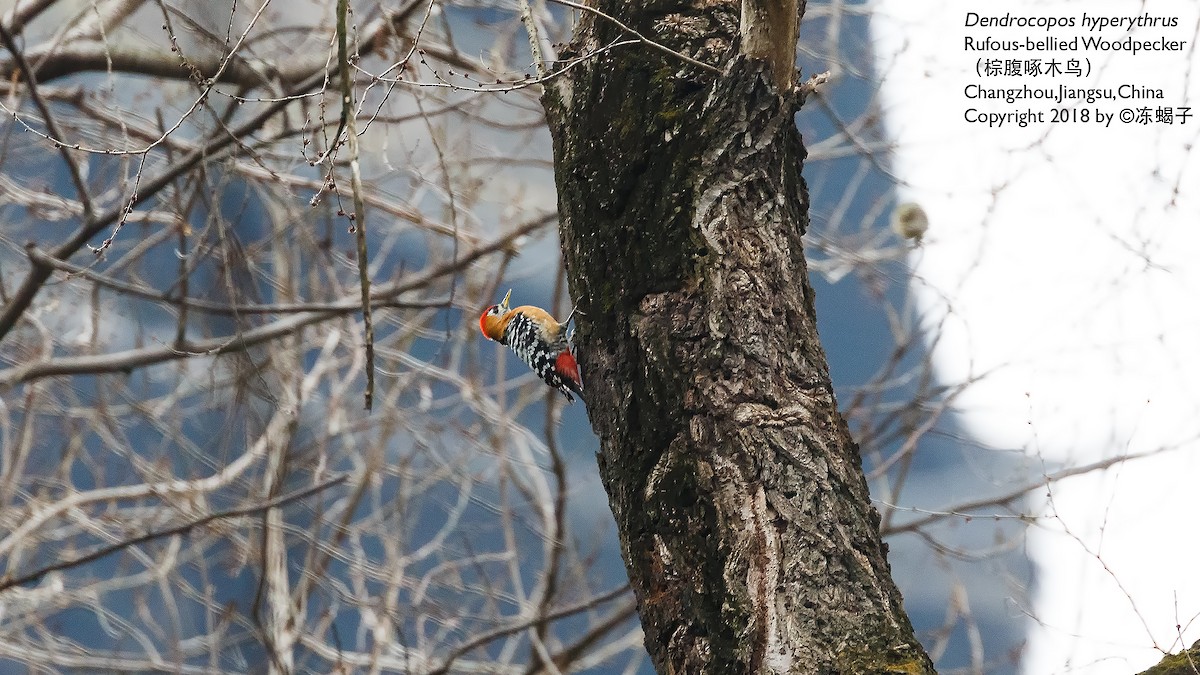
91 56
359 220
24 11
519 626
965 509
8 581
640 38
769 29
138 358
55 131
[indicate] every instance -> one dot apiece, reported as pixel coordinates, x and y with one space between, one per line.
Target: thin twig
535 42
963 510
9 582
146 356
211 150
39 256
641 38
24 12
360 215
566 657
557 536
85 198
504 631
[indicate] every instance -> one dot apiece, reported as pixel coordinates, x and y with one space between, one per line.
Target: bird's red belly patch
567 367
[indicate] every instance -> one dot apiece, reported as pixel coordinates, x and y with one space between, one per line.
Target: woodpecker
540 341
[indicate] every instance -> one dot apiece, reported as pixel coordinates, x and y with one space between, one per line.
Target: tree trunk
743 514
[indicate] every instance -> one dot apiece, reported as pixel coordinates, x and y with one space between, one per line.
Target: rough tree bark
742 510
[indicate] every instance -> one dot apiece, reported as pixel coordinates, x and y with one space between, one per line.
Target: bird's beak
504 302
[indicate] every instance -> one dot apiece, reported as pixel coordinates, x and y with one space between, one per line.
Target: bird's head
492 321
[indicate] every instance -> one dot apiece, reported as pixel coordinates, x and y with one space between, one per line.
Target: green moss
698 271
1183 663
670 116
662 76
603 294
902 660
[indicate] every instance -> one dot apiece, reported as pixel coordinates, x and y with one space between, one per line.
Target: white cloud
1067 257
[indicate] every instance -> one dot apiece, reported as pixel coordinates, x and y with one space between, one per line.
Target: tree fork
744 517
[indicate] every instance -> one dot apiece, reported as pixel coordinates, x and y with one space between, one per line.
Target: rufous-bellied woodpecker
539 339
